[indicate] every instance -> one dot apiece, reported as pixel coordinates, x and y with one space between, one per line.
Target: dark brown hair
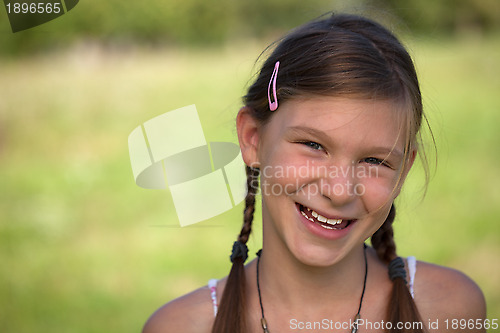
340 55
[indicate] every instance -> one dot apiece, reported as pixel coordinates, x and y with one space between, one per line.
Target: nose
339 183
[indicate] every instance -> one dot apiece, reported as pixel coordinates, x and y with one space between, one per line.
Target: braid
231 313
252 186
383 239
402 307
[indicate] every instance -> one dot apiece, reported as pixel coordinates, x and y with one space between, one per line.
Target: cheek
287 170
379 192
377 199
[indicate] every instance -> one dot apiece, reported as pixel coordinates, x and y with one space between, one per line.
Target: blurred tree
205 22
446 16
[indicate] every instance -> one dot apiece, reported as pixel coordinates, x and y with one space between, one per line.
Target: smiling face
329 173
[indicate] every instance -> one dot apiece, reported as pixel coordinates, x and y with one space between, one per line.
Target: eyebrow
388 151
309 130
325 137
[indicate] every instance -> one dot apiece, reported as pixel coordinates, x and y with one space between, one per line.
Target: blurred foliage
447 16
203 22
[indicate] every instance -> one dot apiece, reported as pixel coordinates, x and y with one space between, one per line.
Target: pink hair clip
273 105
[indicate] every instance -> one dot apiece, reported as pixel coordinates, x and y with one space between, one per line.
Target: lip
319 231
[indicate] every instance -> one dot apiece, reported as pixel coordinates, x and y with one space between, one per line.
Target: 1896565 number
33 8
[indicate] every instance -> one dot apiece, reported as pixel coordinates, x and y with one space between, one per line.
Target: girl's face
329 174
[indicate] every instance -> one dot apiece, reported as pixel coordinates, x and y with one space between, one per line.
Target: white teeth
333 221
307 217
321 218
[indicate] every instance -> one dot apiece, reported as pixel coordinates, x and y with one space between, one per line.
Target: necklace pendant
263 322
355 323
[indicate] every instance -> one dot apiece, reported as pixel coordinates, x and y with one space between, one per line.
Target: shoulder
443 293
190 313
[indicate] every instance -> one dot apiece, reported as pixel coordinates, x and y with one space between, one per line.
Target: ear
411 159
248 136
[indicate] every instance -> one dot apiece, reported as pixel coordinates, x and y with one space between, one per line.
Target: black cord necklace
263 321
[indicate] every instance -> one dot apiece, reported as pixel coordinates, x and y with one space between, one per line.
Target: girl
330 128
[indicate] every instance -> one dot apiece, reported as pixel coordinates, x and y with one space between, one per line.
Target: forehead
353 121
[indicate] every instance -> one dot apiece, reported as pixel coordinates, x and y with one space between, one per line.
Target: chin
316 255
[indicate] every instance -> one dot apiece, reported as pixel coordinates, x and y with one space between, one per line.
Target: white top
212 284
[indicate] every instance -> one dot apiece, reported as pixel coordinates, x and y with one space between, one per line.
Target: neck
282 276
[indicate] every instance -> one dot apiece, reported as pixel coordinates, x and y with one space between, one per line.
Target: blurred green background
83 249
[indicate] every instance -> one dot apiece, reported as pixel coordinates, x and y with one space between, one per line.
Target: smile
325 222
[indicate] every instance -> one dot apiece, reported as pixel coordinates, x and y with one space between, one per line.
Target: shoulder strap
412 269
212 284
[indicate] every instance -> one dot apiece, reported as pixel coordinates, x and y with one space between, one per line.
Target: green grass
83 249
